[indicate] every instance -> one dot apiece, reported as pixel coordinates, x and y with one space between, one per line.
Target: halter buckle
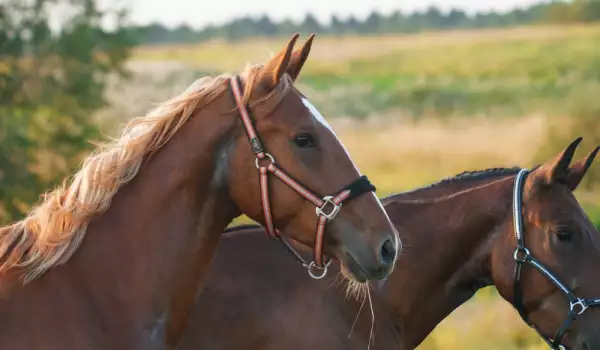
334 210
313 266
267 155
521 255
579 306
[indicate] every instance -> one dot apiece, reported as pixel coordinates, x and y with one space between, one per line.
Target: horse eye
564 236
304 140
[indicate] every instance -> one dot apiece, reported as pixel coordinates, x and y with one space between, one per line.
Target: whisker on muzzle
361 291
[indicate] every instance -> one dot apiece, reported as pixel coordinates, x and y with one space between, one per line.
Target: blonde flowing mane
55 228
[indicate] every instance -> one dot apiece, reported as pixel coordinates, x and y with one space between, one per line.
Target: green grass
491 72
508 78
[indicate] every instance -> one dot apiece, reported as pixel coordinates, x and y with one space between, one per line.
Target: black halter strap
522 256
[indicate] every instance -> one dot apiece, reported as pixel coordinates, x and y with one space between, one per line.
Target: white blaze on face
317 115
321 120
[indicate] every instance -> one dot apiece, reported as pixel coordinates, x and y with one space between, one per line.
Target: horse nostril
388 252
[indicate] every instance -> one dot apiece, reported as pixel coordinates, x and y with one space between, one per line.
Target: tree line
396 22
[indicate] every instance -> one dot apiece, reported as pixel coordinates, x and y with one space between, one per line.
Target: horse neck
448 236
151 249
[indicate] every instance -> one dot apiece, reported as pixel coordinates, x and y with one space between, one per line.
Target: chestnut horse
459 236
116 257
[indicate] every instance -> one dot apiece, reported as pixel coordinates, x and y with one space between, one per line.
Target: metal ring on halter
334 211
314 266
582 306
266 155
525 252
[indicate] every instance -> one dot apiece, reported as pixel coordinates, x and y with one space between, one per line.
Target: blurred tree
266 27
184 33
310 25
372 23
336 26
352 25
154 33
456 19
240 28
286 28
393 23
433 18
52 78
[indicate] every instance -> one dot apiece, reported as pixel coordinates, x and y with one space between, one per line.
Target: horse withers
116 257
460 235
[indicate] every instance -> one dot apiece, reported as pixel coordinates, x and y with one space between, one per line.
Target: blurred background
416 92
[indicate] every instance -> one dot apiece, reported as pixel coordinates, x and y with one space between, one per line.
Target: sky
200 13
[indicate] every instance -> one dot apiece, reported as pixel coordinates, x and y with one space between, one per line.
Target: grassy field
491 72
428 106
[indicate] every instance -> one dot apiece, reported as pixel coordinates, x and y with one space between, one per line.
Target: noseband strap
522 256
326 207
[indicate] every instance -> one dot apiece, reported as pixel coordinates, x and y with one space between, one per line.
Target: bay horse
459 235
115 258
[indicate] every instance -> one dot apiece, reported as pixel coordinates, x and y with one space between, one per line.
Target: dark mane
464 177
474 175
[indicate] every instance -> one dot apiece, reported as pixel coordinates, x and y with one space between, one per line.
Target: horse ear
274 69
299 57
577 171
557 169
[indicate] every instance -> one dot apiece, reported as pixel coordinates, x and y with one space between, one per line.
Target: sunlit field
507 72
413 109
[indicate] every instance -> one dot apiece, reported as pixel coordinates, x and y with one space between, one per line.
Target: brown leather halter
359 186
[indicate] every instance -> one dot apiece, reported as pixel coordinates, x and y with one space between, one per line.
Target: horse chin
353 272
